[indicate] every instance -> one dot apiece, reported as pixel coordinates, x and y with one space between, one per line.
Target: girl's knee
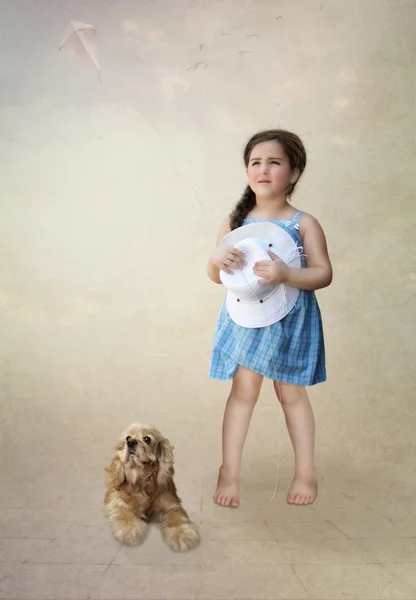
246 386
248 396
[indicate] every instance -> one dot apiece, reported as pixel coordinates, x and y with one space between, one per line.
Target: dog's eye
147 439
128 438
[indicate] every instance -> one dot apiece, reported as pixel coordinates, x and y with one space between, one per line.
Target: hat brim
255 314
283 298
282 241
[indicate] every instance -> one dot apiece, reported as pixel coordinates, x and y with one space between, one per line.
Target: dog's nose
131 443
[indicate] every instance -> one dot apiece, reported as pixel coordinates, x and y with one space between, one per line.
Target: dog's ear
115 472
164 454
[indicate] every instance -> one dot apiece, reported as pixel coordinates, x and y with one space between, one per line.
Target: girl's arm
318 274
212 270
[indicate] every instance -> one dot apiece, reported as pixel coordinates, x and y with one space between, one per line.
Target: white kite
80 41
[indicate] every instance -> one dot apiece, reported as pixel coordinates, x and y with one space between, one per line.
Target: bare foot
226 493
303 491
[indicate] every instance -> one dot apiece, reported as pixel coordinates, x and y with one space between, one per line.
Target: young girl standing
289 352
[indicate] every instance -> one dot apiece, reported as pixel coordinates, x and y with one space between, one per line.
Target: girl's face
269 171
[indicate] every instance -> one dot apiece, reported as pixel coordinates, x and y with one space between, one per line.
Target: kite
80 42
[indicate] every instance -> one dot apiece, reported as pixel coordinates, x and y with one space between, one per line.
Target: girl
275 160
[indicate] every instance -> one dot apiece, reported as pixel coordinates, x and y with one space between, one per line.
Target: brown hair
295 151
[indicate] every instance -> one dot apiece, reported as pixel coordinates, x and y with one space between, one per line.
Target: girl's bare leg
241 402
301 426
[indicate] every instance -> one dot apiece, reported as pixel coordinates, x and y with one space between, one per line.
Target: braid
246 203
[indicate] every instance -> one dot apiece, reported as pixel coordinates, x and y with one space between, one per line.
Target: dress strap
296 218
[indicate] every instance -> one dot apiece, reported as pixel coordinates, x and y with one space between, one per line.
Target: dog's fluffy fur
140 489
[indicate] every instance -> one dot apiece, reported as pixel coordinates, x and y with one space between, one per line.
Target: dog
140 489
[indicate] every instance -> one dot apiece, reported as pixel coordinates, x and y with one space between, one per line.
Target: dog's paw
182 537
129 532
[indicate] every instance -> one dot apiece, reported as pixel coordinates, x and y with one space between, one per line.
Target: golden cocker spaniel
140 489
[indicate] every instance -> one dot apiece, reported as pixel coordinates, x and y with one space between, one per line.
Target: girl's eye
275 162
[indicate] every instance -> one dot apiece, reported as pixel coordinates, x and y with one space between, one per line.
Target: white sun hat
249 303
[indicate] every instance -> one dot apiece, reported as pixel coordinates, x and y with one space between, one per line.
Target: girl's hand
226 259
272 272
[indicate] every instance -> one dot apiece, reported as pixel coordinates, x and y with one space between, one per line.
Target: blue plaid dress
291 350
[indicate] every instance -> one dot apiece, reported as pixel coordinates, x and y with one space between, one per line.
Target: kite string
201 204
106 93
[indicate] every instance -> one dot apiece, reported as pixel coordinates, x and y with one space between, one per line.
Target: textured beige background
110 208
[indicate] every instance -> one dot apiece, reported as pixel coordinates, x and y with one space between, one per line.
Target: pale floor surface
344 547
